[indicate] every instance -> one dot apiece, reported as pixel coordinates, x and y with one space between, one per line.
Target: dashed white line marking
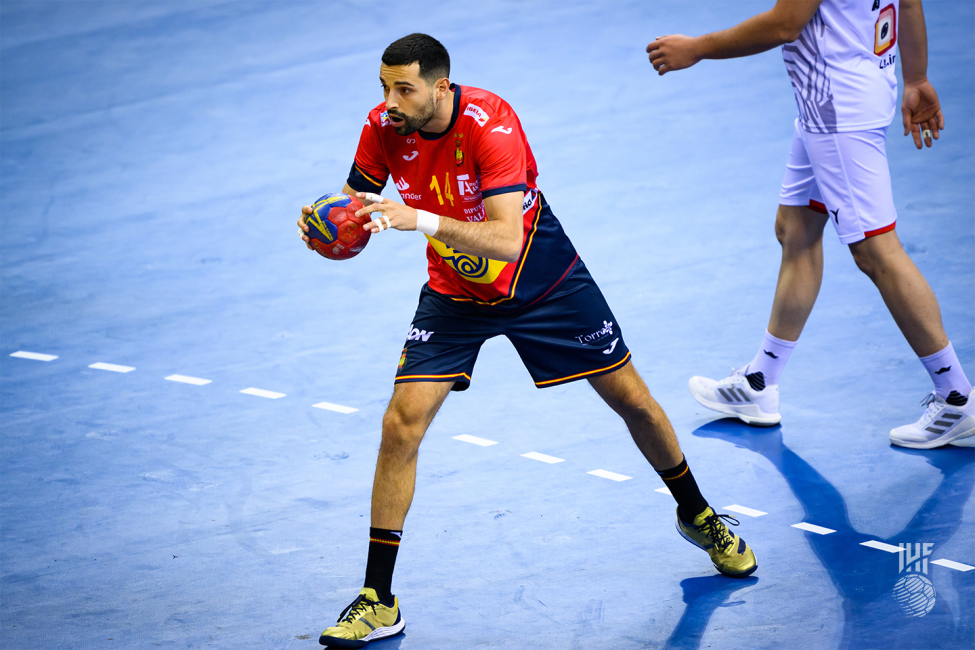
111 367
36 356
551 460
281 551
880 546
819 530
957 566
663 490
612 476
270 394
474 440
183 379
751 512
338 408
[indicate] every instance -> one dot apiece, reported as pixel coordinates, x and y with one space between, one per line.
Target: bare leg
800 231
627 394
904 290
410 412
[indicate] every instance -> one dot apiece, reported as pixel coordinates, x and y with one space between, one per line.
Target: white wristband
427 222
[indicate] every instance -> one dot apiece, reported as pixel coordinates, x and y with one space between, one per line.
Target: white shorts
843 175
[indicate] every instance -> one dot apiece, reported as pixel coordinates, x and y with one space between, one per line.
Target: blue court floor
153 159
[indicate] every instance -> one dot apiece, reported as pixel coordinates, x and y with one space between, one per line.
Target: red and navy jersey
482 153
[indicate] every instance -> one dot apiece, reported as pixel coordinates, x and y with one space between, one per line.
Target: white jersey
842 66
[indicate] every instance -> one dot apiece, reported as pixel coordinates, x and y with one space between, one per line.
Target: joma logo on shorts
418 335
607 330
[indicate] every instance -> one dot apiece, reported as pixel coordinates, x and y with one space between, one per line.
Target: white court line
270 394
111 367
880 546
957 566
663 490
338 408
613 476
551 460
813 528
474 440
751 512
36 356
183 379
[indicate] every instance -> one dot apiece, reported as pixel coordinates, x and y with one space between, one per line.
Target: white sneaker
734 395
942 424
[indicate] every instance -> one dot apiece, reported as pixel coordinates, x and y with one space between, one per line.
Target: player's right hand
305 209
921 112
675 52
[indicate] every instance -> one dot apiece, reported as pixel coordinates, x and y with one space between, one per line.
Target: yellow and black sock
683 487
383 545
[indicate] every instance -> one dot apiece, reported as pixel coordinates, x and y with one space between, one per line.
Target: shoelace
934 407
717 532
354 611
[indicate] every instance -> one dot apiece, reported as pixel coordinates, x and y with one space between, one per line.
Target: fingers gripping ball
334 230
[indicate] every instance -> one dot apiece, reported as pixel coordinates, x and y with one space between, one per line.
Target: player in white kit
840 55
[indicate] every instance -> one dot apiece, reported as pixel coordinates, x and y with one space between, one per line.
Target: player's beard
413 123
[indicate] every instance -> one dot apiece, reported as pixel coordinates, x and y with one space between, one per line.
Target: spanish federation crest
458 153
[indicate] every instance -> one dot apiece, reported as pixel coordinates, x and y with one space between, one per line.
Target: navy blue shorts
570 335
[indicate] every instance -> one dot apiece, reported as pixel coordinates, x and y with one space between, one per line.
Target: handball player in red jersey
499 264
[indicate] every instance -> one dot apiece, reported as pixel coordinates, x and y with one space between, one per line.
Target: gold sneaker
367 619
729 553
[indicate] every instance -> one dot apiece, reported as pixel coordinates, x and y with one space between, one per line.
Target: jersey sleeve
369 172
501 157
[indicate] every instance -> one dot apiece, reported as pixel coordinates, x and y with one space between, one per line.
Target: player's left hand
676 52
921 112
392 214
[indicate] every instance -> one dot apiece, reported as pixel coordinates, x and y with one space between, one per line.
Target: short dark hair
420 48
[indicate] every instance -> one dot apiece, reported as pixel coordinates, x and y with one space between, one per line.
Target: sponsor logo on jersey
411 156
479 114
885 30
612 346
476 214
470 190
384 118
415 334
598 335
501 129
529 200
474 269
401 184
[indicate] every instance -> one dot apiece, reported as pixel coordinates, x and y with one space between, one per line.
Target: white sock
946 373
771 358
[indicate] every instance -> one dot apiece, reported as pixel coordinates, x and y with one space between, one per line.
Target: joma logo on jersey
418 335
479 114
607 330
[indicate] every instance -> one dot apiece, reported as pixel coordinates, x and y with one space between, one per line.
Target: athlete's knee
403 427
873 255
634 404
798 229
